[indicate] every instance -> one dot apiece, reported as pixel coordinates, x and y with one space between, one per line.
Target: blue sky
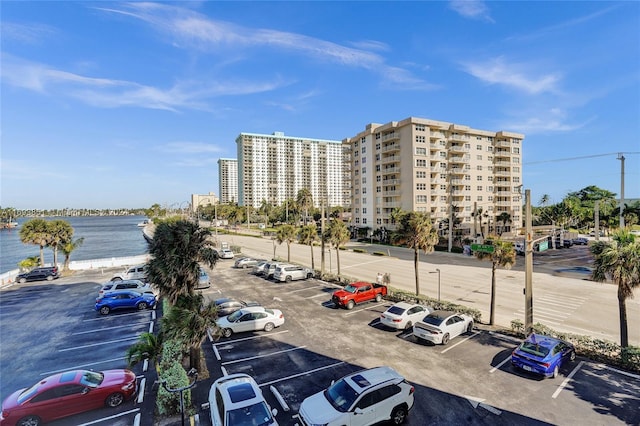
108 105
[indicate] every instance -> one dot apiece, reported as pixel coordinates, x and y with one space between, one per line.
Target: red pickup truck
358 292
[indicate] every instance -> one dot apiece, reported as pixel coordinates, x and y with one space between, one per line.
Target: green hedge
379 253
359 250
168 403
596 349
396 295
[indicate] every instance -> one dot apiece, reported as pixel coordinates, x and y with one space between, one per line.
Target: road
564 304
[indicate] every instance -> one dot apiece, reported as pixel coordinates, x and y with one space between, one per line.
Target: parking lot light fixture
192 373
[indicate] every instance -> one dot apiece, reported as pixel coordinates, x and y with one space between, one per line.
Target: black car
39 274
228 305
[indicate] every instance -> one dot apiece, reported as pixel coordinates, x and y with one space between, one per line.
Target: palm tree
395 215
36 231
503 254
188 321
60 231
544 200
307 235
176 251
68 247
337 234
304 200
286 233
148 346
416 231
619 260
503 217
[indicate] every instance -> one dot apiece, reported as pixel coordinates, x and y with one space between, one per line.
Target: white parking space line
304 289
107 317
263 356
625 373
143 383
497 367
215 351
99 344
475 333
315 370
81 366
280 399
355 311
317 295
362 263
567 380
115 416
226 342
104 329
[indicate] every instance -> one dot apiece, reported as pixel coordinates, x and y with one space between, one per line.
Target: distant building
228 180
428 166
275 167
203 200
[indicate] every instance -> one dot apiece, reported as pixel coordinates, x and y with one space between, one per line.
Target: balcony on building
390 136
390 181
390 159
503 143
458 148
503 163
456 170
390 170
459 159
459 137
436 135
391 147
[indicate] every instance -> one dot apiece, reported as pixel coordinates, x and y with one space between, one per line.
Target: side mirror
85 390
274 411
358 410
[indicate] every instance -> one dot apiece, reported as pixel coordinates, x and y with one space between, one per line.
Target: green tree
416 231
60 232
176 251
337 234
286 233
307 235
504 255
304 200
69 247
36 232
148 346
505 218
619 260
544 200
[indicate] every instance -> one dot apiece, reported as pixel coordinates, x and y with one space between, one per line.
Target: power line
579 158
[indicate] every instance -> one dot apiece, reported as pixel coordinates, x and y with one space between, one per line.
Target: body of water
104 237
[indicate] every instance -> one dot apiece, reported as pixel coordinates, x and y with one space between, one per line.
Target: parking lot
50 327
469 381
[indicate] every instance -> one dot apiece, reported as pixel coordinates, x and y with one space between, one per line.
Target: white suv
137 272
291 272
360 399
135 285
237 400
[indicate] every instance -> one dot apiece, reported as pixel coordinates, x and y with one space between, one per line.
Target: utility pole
475 220
596 220
621 158
528 262
450 213
322 238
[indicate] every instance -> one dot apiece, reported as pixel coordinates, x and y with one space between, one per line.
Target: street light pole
192 373
528 262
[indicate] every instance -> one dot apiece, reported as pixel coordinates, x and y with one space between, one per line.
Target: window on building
421 198
443 198
489 188
421 186
364 180
479 147
364 200
421 139
478 167
467 177
364 210
516 179
364 190
364 170
421 174
479 198
516 169
378 167
490 178
420 127
467 197
516 160
378 189
516 150
479 157
364 160
421 163
377 147
421 151
479 188
478 177
357 210
489 149
490 198
378 178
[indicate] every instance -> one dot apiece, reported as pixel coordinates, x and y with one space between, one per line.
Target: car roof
248 309
442 314
404 305
366 379
542 340
116 292
124 282
238 390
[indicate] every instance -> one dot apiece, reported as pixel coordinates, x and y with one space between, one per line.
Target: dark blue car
542 355
125 299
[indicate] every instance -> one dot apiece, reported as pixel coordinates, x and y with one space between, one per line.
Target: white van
291 272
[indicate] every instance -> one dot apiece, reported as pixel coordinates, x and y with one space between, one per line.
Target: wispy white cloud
29 34
552 120
473 9
514 75
18 169
112 93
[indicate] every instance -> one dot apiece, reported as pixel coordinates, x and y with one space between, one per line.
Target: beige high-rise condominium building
275 167
228 180
428 166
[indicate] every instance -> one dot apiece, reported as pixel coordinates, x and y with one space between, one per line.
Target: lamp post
437 271
192 373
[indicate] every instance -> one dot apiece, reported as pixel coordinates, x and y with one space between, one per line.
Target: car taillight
129 386
545 364
397 320
281 315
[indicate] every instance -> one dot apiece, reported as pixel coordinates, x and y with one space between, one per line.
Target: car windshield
534 349
28 393
433 320
341 395
253 415
235 316
93 379
396 310
351 289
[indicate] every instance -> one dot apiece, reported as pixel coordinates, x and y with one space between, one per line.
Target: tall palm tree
148 346
503 217
504 255
307 235
416 231
286 233
68 247
189 321
544 200
60 231
36 232
177 249
304 200
337 234
619 260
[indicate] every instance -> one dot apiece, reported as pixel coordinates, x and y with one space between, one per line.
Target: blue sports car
542 355
124 299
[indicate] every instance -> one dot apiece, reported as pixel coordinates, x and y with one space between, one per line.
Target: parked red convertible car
66 394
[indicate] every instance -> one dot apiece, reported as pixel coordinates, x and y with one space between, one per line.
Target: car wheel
350 304
408 326
309 275
470 327
572 357
114 400
398 415
29 421
445 339
288 279
105 310
22 280
49 277
227 332
268 326
378 297
142 306
556 370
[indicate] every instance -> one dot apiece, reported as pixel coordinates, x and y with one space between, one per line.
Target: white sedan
250 318
403 315
442 326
